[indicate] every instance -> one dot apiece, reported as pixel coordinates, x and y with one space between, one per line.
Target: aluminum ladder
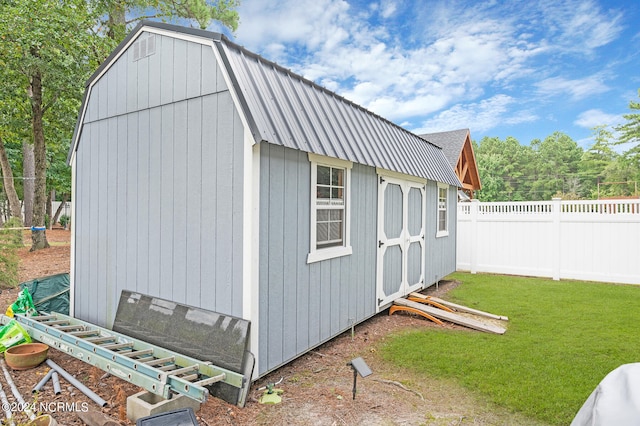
151 367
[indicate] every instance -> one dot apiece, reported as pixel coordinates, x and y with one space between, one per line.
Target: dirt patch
42 263
317 386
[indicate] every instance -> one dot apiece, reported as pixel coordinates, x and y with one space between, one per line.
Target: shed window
329 208
443 207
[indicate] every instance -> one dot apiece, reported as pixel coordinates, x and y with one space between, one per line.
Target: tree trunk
29 174
56 216
51 195
117 21
38 230
7 180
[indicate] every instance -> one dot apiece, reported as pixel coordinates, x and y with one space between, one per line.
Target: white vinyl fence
585 240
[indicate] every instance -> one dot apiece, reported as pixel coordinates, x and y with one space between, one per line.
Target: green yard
562 338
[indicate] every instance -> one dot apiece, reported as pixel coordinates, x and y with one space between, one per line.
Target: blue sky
501 68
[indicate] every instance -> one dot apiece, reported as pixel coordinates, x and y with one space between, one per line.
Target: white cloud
455 54
581 26
388 8
595 117
578 88
308 23
480 116
343 46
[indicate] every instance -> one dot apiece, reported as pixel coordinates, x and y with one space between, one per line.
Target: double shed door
401 230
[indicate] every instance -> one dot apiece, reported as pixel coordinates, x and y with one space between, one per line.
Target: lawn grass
562 338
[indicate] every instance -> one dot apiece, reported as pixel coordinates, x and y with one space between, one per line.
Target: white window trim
315 254
440 233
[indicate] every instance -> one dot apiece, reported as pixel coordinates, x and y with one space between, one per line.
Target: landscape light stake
359 367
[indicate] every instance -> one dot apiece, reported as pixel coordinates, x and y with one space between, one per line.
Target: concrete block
143 404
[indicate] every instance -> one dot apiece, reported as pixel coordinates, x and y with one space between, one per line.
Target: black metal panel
195 332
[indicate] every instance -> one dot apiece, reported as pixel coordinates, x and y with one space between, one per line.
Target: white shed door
401 223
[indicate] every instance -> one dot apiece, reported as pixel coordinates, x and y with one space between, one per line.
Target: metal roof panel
297 113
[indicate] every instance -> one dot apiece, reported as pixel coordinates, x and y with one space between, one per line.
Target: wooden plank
451 317
396 308
429 301
460 308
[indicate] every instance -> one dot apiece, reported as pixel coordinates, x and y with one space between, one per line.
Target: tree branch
401 386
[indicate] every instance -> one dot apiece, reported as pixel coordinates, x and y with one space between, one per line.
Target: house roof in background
458 149
286 109
451 143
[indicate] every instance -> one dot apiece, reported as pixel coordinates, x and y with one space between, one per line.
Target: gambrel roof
283 108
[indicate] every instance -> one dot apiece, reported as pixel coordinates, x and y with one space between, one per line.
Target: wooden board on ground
461 308
452 317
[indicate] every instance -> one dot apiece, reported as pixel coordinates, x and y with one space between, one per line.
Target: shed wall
159 185
440 256
303 305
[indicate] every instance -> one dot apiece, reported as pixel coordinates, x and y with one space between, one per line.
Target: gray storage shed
207 175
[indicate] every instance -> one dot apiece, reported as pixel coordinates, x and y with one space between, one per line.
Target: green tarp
50 294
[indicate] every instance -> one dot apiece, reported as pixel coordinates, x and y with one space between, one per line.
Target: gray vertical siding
440 258
303 305
159 185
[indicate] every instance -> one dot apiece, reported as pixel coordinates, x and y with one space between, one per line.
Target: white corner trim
72 265
251 243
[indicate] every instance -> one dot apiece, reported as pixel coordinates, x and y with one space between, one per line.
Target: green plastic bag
22 305
12 334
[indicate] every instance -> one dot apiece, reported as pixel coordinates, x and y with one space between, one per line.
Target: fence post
473 210
555 249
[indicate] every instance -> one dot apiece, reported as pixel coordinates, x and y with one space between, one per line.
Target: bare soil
317 387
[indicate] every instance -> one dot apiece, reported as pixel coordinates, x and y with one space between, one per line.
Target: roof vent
144 47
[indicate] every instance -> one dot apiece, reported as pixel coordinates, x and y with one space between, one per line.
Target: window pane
323 215
322 232
442 193
329 205
335 231
442 221
336 193
323 192
324 174
337 177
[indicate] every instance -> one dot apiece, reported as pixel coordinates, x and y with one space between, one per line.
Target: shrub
64 220
10 241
